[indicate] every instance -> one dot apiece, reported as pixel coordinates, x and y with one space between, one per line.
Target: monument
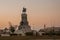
24 25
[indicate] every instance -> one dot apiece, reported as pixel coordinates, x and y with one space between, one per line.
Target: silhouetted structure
24 26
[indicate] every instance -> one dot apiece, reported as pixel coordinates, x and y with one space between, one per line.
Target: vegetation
29 33
29 37
12 29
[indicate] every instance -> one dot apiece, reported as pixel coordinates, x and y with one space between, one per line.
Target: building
5 32
50 31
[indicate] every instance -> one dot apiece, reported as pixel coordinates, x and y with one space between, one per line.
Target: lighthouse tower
24 25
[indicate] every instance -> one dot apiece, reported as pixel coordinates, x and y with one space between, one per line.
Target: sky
39 12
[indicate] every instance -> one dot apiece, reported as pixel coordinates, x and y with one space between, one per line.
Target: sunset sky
39 12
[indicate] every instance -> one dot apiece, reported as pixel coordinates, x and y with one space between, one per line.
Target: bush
29 33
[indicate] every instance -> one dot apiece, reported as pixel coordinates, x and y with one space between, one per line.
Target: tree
12 29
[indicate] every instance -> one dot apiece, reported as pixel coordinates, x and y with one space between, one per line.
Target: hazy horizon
39 12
